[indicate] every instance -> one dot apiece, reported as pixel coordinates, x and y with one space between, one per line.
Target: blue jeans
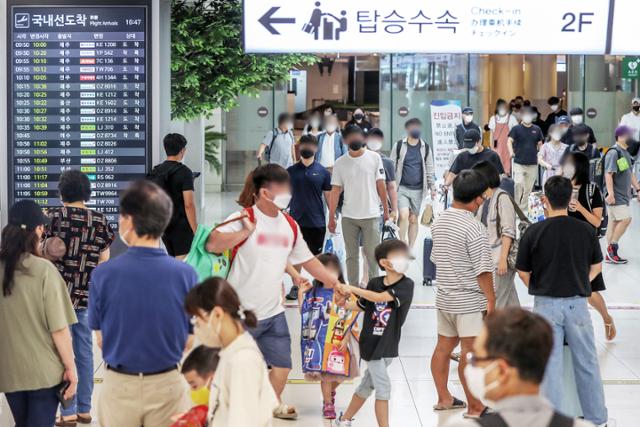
570 320
83 351
34 408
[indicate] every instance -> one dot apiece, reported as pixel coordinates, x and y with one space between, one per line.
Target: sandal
285 412
61 422
456 404
610 331
455 356
484 412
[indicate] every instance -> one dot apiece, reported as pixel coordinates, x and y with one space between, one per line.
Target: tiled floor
413 392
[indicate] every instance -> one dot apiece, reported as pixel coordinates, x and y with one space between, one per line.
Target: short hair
149 207
581 164
283 117
412 121
308 139
554 100
265 175
489 172
375 132
580 129
383 250
526 109
174 143
74 186
468 185
558 191
202 359
522 338
352 130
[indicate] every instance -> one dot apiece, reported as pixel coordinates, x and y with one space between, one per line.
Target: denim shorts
376 378
274 341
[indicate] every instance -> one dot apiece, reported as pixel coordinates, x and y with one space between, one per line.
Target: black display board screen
79 98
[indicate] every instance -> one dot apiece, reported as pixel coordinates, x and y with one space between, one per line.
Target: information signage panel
625 20
435 26
79 98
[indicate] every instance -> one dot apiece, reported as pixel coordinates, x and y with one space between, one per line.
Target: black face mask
356 145
358 116
306 153
636 108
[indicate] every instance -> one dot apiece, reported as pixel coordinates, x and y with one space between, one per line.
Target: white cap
635 100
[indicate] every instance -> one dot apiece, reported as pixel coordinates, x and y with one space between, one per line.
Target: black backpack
495 420
161 176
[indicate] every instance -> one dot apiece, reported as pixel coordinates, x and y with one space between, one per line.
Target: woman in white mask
241 394
551 153
500 124
506 369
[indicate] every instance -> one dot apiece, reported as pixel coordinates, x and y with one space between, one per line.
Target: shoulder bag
522 227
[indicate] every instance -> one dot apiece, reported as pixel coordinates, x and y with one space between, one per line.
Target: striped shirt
461 253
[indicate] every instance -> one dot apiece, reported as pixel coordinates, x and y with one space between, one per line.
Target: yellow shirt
38 305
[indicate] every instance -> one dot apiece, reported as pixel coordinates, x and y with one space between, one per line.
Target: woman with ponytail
241 394
35 314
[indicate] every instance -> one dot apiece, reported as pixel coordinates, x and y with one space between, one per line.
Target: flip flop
484 412
456 404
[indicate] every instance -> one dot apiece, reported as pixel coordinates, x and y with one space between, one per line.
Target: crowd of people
162 331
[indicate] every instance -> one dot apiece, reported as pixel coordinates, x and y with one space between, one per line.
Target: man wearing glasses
506 368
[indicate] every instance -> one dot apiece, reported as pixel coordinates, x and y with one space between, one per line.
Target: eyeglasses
473 359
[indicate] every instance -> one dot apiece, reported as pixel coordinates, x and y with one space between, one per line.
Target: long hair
14 243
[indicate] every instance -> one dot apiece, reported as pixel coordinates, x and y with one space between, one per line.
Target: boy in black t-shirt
385 303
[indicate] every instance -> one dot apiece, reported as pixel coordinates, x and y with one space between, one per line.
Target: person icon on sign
332 26
313 26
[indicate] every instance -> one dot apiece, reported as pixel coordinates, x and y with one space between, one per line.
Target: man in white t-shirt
265 240
632 118
360 175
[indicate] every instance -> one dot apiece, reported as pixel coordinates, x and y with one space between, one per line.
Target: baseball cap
623 130
576 111
467 110
635 101
27 215
563 120
471 138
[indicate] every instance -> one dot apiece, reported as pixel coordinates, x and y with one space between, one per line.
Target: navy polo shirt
137 301
307 187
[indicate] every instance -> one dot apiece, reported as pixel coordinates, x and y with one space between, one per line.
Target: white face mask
473 150
554 108
475 377
282 200
556 135
527 119
576 120
502 111
207 336
374 144
331 128
123 238
467 118
290 125
399 265
568 171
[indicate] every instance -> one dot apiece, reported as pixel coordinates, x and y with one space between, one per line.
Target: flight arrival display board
79 98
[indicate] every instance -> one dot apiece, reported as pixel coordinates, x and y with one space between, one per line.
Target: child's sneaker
329 411
612 256
342 423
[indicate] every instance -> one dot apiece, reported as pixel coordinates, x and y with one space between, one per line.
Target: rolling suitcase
428 267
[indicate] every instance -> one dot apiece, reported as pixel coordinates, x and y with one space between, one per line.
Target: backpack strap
398 148
273 138
294 226
426 151
491 420
519 212
591 190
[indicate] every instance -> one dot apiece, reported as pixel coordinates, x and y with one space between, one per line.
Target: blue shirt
307 187
137 301
412 173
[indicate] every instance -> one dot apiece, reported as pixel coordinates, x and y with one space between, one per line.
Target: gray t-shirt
412 174
621 178
281 148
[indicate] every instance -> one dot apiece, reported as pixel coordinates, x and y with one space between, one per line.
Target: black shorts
178 241
314 238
